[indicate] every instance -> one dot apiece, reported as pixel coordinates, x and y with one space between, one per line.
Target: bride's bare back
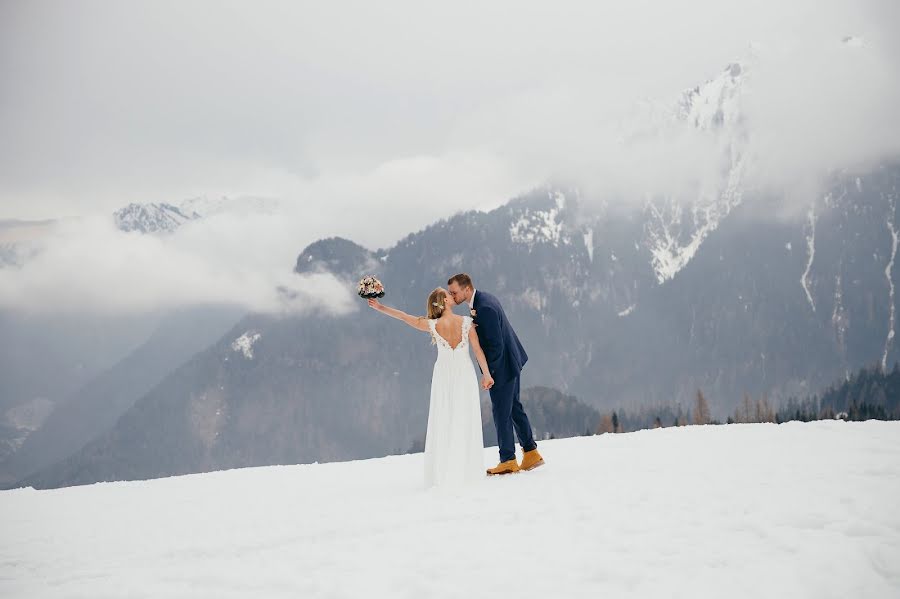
450 329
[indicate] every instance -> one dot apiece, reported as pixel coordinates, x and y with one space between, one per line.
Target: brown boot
531 460
507 467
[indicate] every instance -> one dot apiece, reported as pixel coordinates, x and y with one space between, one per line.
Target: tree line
868 394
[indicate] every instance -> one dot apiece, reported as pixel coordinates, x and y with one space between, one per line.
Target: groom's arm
489 335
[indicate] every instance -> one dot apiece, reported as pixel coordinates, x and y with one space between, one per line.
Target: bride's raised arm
417 322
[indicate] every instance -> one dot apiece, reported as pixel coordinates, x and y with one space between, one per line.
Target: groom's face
459 294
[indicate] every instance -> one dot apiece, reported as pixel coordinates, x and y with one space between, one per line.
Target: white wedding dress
454 451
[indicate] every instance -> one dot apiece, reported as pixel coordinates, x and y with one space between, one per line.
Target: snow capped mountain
151 218
692 292
584 297
165 218
676 226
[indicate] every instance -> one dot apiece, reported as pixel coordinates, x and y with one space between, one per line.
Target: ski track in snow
888 271
811 248
748 510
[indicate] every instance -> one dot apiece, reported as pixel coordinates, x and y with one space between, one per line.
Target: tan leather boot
507 467
531 460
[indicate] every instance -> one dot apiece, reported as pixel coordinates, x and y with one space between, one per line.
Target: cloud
275 98
370 120
87 265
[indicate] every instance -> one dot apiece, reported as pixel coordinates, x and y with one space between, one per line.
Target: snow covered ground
796 510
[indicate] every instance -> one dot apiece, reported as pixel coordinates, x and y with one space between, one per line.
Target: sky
372 120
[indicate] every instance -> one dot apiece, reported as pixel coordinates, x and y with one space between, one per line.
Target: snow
888 271
150 218
627 310
540 226
244 343
589 243
716 103
839 317
760 510
676 227
811 249
667 225
166 218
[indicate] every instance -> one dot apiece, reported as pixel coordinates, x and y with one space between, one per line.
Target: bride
453 443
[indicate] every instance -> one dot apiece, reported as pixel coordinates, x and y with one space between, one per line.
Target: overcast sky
416 110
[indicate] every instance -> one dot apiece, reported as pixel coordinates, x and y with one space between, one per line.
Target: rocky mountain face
762 306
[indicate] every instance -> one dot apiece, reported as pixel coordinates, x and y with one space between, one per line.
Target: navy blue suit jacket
504 353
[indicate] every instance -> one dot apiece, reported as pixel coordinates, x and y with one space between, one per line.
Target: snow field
758 510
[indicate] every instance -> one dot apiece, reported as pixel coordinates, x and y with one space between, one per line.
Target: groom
505 359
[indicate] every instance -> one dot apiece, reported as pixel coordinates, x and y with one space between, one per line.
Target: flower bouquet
370 287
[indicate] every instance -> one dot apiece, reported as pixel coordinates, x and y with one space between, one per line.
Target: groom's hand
487 381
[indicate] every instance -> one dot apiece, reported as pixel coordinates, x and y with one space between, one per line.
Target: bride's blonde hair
435 306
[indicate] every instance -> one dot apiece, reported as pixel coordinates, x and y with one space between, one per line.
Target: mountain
764 306
166 218
620 303
58 430
151 218
799 509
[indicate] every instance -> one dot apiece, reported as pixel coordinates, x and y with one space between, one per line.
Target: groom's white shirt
471 301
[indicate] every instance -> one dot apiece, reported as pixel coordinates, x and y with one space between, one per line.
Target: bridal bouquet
370 287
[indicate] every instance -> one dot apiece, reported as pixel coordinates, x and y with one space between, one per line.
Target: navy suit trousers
508 413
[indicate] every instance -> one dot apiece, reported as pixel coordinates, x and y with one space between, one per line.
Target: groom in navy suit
505 358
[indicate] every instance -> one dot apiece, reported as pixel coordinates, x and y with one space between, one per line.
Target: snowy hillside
796 510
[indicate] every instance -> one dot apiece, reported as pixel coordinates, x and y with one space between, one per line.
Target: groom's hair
462 279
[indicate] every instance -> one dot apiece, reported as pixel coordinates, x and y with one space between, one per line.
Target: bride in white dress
453 443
